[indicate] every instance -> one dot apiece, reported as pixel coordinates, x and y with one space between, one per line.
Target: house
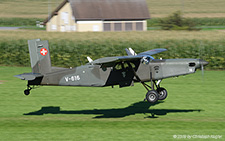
99 15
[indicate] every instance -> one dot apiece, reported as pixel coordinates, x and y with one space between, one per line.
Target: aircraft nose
203 62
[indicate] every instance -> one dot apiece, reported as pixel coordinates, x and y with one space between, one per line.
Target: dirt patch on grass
2 81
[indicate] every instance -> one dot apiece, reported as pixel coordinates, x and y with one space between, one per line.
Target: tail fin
39 56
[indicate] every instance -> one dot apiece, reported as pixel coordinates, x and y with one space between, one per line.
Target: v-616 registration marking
72 78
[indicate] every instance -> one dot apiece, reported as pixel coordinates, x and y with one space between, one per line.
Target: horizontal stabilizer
28 76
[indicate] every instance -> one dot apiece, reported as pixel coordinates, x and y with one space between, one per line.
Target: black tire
162 93
26 92
152 96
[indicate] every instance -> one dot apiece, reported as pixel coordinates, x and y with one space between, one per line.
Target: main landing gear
153 95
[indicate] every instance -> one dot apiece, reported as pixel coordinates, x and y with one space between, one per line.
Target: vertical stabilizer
39 56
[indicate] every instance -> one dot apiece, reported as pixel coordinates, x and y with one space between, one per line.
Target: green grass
108 114
33 28
190 8
19 21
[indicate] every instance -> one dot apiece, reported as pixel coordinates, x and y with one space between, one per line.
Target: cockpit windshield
146 60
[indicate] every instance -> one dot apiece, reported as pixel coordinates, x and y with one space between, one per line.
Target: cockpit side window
123 65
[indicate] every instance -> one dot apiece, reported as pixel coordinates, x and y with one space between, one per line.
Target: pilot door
121 74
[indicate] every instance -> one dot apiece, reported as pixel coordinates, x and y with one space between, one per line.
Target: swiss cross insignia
44 51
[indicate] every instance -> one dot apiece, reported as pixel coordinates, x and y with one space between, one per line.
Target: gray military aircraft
108 71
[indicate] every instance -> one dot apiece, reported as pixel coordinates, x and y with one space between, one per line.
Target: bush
154 22
177 22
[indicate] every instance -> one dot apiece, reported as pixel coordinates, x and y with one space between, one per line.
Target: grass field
157 8
113 36
195 106
190 8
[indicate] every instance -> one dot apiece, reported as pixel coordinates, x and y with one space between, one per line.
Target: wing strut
139 80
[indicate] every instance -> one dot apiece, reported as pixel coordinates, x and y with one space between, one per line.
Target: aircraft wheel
152 96
26 92
162 93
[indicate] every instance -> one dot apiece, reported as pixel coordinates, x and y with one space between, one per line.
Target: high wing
111 60
152 52
106 60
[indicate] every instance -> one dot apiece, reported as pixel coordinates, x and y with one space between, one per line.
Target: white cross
43 51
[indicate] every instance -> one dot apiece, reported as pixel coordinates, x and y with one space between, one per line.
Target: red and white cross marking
44 51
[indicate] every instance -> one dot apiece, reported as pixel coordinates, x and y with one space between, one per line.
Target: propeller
202 63
202 68
200 60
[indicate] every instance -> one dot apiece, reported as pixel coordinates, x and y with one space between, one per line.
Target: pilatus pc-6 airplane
108 71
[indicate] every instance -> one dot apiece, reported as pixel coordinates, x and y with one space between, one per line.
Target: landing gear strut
27 91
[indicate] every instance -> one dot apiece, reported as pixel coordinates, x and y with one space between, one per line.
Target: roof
106 9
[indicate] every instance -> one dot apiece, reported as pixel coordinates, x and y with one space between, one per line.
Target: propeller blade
202 68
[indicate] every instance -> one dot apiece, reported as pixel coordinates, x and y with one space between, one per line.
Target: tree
176 22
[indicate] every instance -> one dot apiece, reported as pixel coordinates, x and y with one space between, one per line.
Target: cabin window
146 60
118 66
123 65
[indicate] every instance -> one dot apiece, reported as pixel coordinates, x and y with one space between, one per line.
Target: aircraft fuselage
120 74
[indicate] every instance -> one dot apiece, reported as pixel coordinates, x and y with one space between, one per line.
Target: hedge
198 21
66 53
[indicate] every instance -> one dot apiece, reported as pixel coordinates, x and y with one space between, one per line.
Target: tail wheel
27 92
152 96
162 93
